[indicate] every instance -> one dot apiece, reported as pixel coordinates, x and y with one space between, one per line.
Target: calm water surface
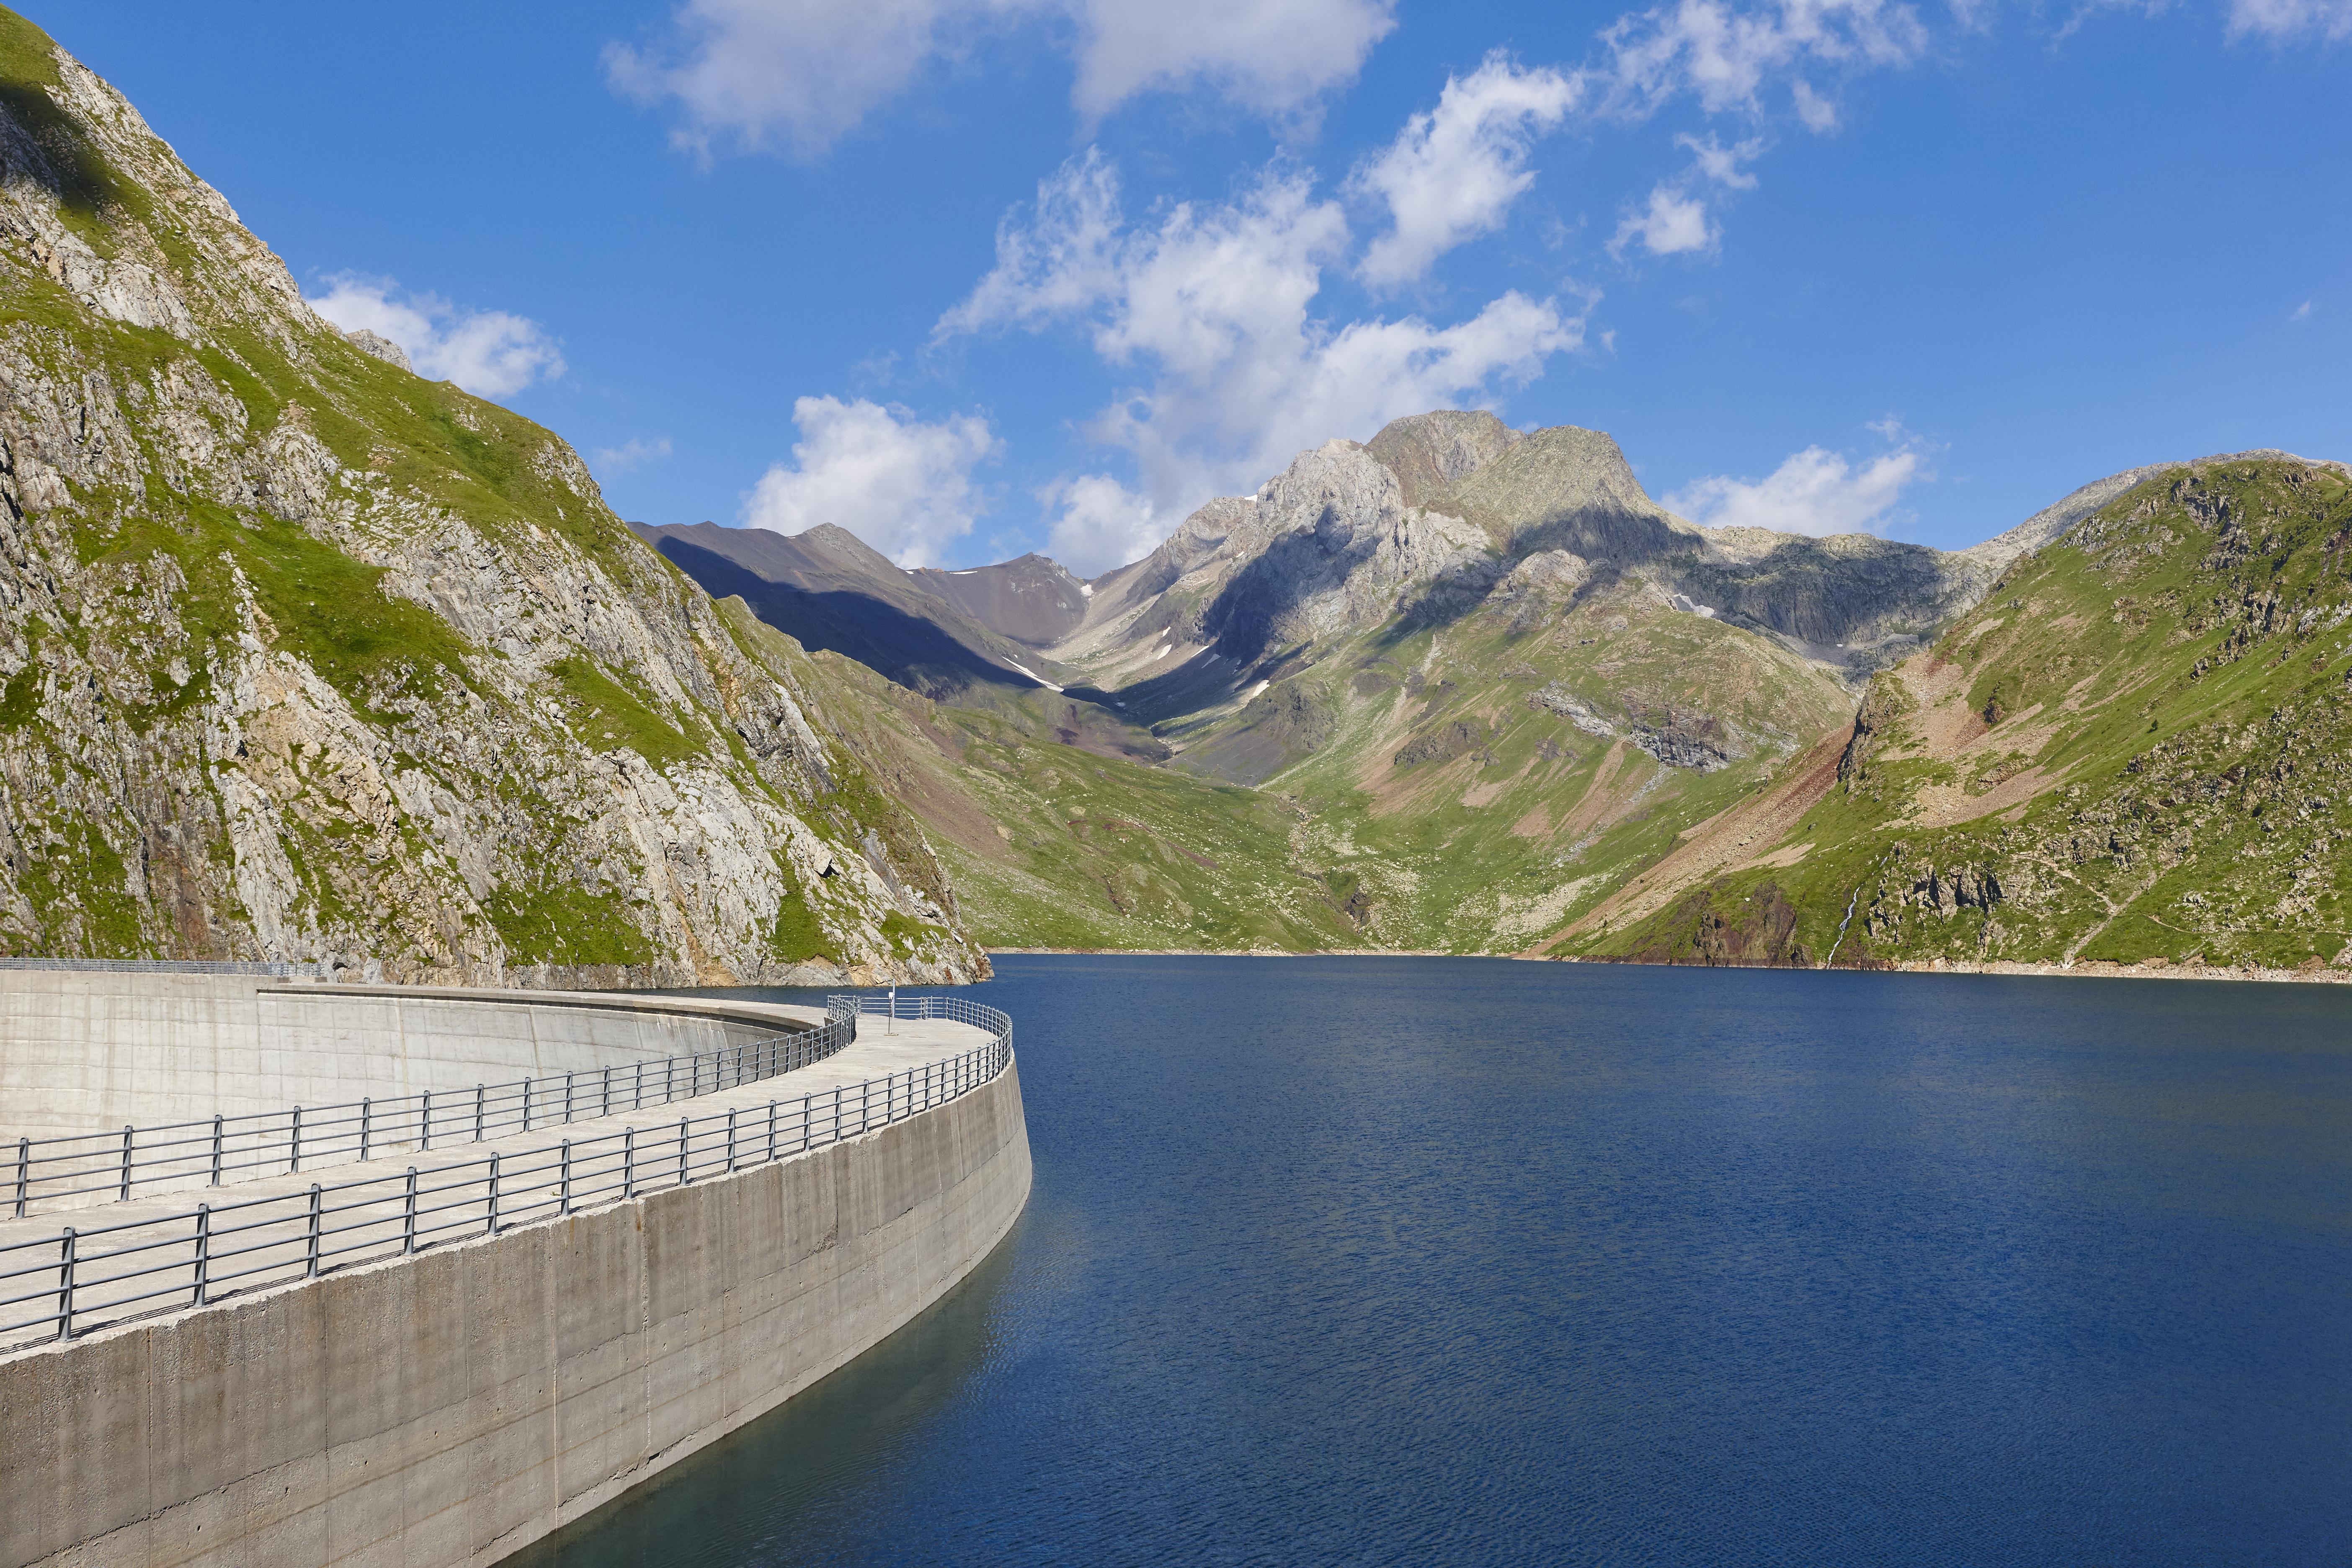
1466 1261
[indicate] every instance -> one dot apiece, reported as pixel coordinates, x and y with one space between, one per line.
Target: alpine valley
303 657
1464 689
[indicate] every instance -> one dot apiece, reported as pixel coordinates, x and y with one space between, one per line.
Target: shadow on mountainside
907 648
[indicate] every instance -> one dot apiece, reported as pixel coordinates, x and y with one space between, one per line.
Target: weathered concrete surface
451 1408
82 1052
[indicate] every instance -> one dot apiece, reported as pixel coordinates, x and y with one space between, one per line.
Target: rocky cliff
304 657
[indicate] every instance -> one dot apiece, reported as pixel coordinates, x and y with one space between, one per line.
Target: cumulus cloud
488 352
630 454
1211 304
797 75
1100 523
1814 492
1452 173
1271 57
902 485
1675 220
2279 20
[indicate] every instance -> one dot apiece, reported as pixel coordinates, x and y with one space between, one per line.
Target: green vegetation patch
611 716
557 921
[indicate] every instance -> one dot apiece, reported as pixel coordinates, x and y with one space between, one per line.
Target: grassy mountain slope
303 657
2137 749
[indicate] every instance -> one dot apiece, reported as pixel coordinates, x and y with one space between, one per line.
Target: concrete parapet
83 1053
450 1407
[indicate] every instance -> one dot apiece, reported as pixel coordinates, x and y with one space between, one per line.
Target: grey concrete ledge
452 1407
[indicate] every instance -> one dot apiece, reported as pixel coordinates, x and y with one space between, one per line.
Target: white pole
892 1027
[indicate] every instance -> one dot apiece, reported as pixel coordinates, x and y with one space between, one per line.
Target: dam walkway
117 1262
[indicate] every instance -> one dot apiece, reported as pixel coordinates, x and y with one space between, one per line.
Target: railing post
892 1027
628 1163
567 1100
311 1269
604 1106
669 1080
772 1130
217 1149
65 1283
408 1214
837 1113
683 1174
294 1152
526 1105
481 1098
730 1140
638 1101
807 1128
124 1196
24 1171
204 1252
425 1142
563 1187
367 1116
493 1229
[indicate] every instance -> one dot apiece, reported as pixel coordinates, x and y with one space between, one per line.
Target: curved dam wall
83 1052
450 1407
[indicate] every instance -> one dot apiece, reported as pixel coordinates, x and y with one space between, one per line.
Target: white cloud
1211 303
2300 313
1674 221
1723 54
1819 114
2279 20
802 73
633 454
1719 163
1271 57
488 352
1815 491
1101 524
903 486
1452 173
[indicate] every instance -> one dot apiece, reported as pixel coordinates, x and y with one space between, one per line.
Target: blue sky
973 276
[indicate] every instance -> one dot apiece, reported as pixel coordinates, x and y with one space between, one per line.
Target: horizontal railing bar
353 1217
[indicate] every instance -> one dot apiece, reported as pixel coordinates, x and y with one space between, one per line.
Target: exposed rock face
1428 452
382 348
1758 932
307 658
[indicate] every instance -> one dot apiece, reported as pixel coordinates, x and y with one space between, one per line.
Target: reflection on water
1468 1261
745 1498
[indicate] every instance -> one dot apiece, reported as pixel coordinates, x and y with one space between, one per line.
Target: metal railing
182 1155
167 966
88 1277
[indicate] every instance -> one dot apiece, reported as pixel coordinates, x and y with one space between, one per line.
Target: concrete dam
295 1272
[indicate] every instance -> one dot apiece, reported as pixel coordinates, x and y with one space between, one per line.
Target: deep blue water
1466 1261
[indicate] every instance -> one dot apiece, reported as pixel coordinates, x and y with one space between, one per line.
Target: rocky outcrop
302 657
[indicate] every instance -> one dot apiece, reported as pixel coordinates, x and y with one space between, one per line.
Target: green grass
608 716
556 922
2207 750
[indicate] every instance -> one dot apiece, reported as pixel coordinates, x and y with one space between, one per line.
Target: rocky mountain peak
1428 452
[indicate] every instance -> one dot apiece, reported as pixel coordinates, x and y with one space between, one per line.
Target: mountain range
303 657
1467 688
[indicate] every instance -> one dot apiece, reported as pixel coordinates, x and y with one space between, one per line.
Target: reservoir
1415 1260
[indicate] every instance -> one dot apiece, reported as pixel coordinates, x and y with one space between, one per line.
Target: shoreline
2329 974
